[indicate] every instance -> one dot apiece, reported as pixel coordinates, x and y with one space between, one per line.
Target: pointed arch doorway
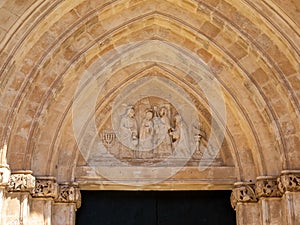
155 208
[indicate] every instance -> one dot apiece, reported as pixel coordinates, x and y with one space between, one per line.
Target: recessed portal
155 208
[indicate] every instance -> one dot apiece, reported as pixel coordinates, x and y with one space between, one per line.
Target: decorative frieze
289 181
69 193
45 187
243 192
21 181
267 186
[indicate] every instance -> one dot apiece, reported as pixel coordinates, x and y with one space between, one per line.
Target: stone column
41 204
289 185
66 203
269 200
4 179
16 204
244 201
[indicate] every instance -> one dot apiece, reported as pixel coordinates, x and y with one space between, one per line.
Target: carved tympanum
149 131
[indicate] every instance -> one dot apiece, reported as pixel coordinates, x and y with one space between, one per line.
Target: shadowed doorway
155 208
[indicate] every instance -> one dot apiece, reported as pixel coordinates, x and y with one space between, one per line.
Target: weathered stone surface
21 181
45 187
267 187
243 193
248 50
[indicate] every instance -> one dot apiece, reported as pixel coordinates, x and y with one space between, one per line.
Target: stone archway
250 49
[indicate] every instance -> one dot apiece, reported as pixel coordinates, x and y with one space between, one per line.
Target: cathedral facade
149 95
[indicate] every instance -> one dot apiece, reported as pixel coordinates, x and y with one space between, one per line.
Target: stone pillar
66 203
4 179
15 209
289 185
269 200
41 204
244 201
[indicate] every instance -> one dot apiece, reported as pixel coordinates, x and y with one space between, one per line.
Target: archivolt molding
216 16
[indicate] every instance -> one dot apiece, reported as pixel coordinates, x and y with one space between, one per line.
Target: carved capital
21 181
69 193
267 186
45 187
289 181
242 193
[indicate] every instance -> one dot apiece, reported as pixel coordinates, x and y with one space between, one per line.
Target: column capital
69 193
45 187
243 192
21 181
289 180
267 186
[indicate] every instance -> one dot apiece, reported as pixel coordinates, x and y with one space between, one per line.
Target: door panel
155 208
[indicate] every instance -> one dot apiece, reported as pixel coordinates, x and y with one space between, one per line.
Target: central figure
147 131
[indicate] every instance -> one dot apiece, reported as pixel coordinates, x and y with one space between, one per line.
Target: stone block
7 19
261 77
204 55
237 50
210 29
226 8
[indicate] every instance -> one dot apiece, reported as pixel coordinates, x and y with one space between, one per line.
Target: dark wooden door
155 208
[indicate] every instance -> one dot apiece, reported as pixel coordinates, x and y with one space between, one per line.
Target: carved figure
163 134
128 129
147 131
180 137
165 125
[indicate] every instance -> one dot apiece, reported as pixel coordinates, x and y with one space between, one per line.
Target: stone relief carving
151 129
69 193
45 187
199 138
289 181
147 131
21 182
243 193
108 138
267 187
129 129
